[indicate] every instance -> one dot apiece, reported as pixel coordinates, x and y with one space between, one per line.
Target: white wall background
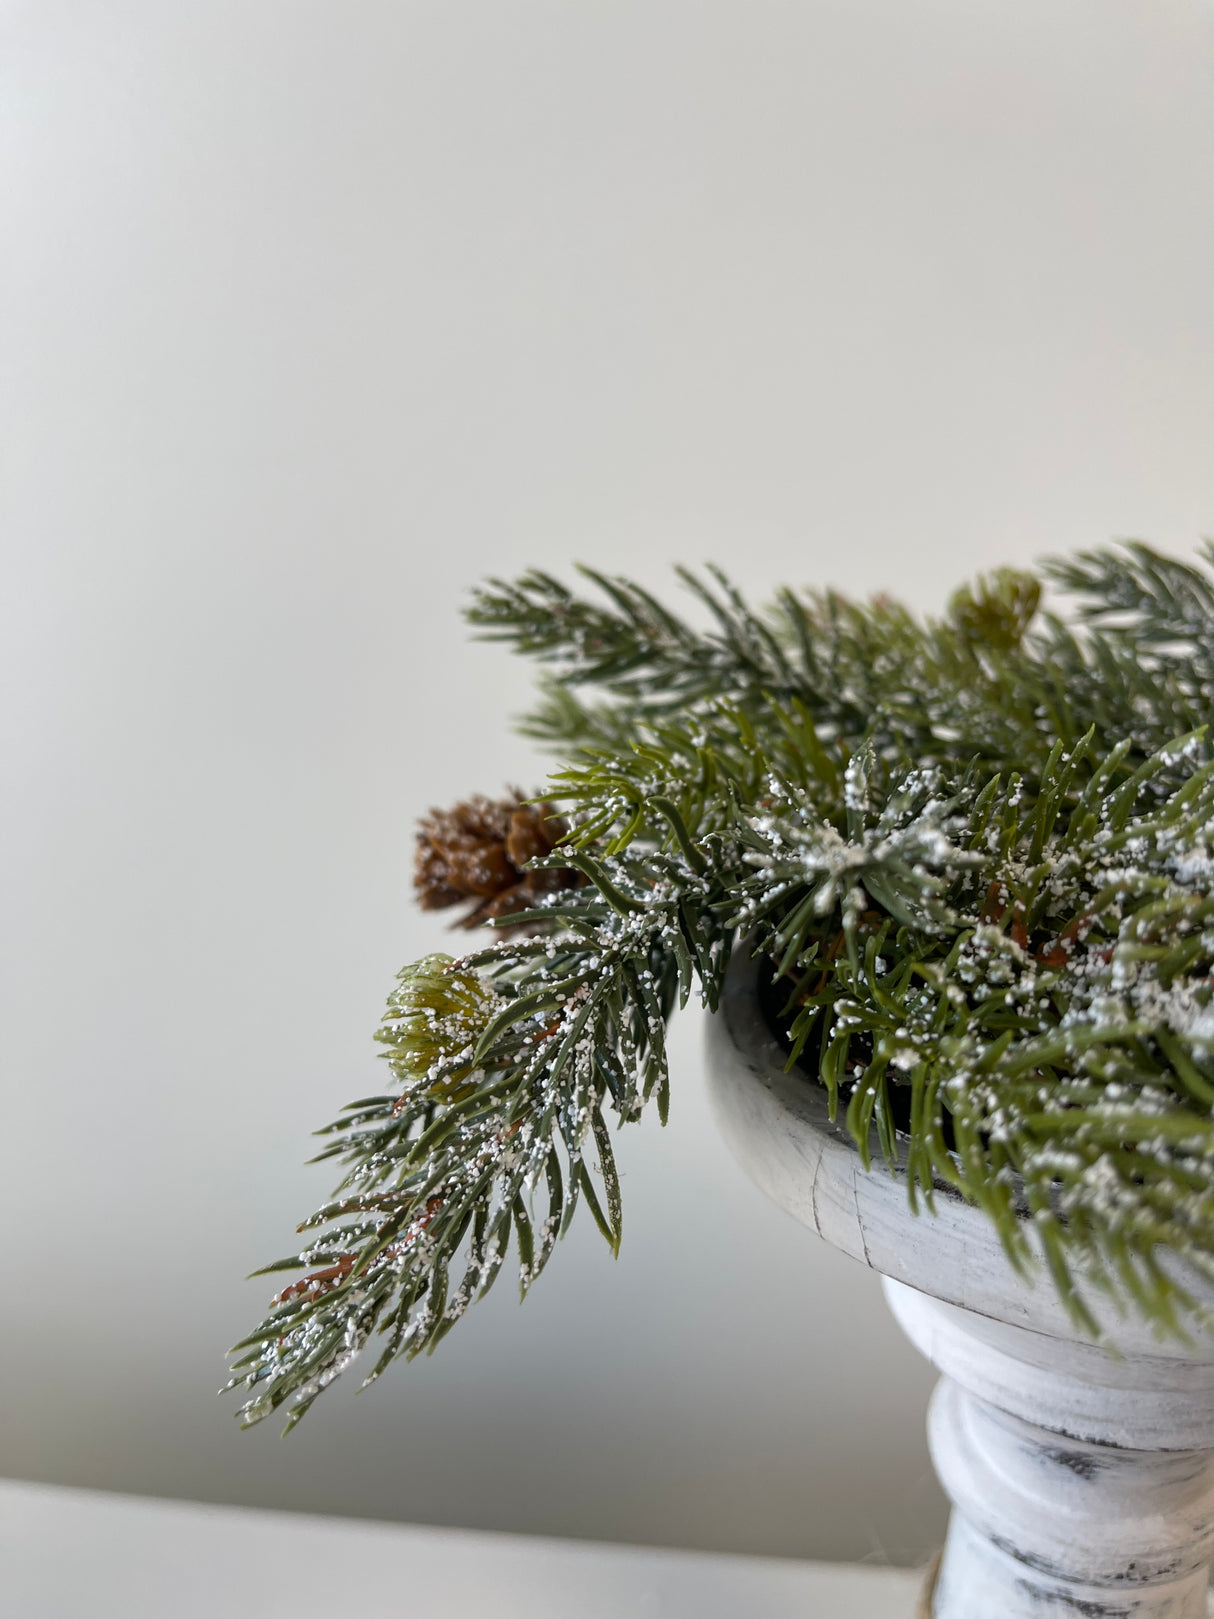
314 313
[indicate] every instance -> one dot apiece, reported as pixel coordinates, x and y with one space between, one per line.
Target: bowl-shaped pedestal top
777 1124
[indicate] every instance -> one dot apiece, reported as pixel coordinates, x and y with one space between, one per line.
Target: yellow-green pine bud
435 1016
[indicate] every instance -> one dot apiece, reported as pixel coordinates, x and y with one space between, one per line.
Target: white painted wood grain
1046 1520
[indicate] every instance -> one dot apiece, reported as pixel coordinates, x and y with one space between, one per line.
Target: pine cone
477 851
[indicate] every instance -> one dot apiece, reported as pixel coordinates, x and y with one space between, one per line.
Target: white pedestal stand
1081 1477
1081 1483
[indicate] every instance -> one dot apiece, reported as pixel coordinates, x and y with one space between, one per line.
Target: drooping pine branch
509 1065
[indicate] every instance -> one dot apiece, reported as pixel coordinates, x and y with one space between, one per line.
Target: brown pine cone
477 851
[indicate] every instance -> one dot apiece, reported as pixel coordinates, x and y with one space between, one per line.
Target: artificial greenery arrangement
975 851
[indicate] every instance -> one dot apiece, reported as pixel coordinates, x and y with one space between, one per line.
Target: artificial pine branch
976 853
506 1063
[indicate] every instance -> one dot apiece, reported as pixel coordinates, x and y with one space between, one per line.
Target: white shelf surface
87 1554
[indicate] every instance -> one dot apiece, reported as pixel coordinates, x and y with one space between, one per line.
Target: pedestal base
1082 1482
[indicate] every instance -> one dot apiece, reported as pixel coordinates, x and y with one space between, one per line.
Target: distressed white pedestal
1081 1482
1081 1477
